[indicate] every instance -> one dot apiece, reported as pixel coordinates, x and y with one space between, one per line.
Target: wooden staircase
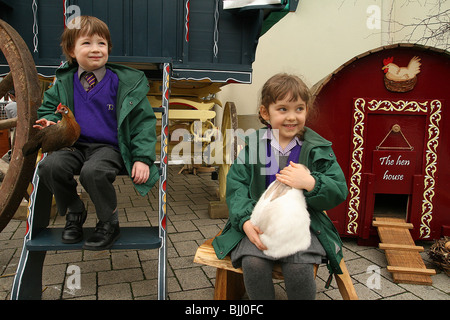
402 254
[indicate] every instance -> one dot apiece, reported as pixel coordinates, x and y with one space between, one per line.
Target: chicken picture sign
400 79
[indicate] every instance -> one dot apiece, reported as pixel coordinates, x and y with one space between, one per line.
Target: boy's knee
44 169
95 174
48 167
88 173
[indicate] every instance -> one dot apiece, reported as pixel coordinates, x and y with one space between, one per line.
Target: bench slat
205 255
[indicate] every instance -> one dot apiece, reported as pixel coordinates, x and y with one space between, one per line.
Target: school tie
91 80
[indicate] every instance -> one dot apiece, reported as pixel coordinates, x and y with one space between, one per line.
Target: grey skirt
314 254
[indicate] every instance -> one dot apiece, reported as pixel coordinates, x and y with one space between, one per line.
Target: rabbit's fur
281 214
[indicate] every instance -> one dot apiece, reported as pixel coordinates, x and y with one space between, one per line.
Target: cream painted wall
317 39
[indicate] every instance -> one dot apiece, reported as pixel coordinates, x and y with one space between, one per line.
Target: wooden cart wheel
229 121
28 98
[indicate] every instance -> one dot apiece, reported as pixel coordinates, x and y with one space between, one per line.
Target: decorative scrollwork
399 106
430 169
356 166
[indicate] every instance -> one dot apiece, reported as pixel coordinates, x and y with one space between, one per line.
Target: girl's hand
43 123
140 172
253 233
297 176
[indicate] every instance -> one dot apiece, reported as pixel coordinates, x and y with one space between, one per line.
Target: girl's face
91 52
287 116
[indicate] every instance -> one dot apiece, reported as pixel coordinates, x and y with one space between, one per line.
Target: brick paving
132 274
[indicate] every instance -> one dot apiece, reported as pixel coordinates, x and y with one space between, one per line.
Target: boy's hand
253 233
43 123
297 176
140 172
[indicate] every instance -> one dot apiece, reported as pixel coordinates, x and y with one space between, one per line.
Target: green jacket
245 185
135 118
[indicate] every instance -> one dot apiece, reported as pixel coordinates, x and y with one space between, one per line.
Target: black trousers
96 164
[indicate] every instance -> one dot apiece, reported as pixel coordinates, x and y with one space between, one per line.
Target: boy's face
91 52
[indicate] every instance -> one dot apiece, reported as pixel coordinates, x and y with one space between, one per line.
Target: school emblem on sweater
110 107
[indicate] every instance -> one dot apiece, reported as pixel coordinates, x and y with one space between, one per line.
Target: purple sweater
95 111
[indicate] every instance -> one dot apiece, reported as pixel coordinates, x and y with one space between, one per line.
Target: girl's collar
269 135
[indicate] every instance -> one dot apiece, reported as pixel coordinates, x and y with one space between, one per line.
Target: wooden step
404 261
411 270
392 246
392 224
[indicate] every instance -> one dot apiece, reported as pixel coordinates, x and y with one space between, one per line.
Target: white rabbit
281 214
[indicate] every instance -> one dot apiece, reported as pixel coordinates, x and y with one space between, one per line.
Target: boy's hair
88 26
279 87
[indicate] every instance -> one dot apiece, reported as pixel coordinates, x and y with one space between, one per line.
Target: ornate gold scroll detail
430 168
356 166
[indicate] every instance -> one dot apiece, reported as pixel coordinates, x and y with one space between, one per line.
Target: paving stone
125 259
184 225
192 278
441 282
185 236
182 262
6 282
359 265
199 294
54 274
5 257
118 276
403 296
425 292
119 291
87 287
186 248
65 257
379 284
144 288
374 255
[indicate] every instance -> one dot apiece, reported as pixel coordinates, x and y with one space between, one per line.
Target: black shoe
104 236
73 231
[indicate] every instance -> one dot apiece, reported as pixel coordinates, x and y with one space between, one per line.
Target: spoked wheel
28 98
219 209
228 130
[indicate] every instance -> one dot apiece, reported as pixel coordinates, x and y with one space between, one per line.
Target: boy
117 132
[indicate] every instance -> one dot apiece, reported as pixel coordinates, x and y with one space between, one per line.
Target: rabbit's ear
273 186
276 190
280 191
271 189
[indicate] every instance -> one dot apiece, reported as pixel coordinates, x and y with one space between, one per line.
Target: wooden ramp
402 254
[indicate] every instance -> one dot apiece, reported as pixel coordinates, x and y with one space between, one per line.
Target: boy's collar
99 73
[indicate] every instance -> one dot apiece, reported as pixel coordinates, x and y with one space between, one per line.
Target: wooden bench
230 283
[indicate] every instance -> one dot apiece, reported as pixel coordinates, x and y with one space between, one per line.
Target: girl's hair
87 26
279 87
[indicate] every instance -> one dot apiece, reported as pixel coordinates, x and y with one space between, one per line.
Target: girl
285 104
